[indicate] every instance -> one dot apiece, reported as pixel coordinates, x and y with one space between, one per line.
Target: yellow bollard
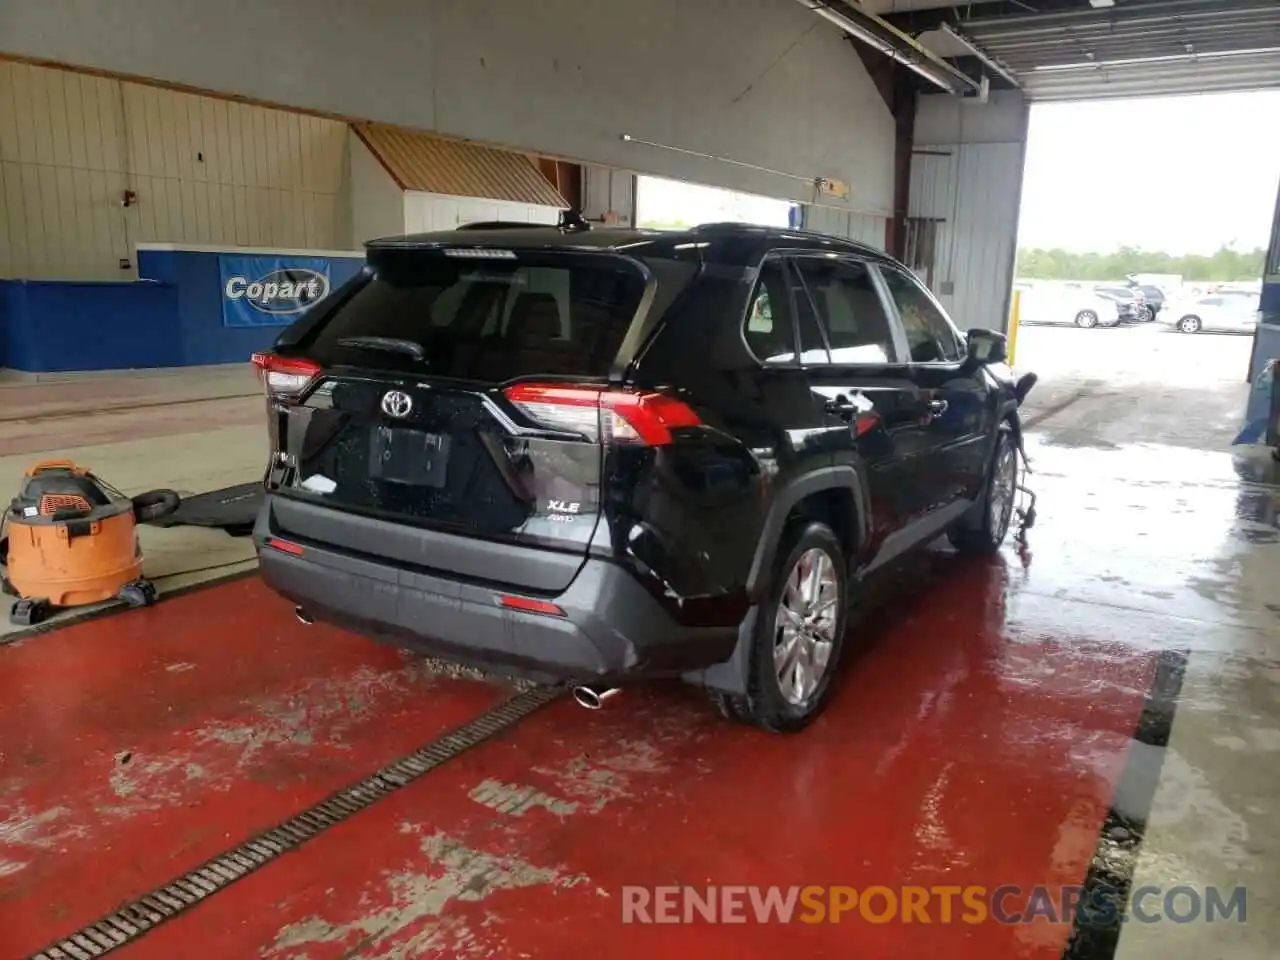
1015 314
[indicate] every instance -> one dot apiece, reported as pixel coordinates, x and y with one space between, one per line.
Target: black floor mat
232 509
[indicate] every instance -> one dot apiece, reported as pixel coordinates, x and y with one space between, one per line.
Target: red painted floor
136 746
976 738
988 759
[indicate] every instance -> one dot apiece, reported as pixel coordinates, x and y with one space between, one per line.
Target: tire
1189 324
983 531
766 704
790 706
1086 319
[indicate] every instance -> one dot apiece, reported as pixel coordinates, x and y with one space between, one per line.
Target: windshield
492 318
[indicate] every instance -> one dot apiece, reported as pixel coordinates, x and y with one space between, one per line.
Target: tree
1227 265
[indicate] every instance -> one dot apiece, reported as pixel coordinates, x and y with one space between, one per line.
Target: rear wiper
409 348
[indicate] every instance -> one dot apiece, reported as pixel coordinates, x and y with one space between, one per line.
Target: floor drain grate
147 912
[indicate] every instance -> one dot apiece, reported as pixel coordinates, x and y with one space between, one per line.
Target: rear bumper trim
611 627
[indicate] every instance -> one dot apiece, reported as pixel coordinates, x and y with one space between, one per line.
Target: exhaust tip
303 617
591 698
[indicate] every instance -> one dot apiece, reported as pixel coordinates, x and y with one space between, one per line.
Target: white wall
205 171
759 81
375 202
666 204
967 171
424 212
608 191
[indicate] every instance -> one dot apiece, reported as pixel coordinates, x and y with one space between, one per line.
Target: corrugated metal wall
764 82
204 170
842 223
966 176
971 188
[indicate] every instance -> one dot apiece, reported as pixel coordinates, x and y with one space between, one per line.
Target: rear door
957 402
868 391
456 395
1239 314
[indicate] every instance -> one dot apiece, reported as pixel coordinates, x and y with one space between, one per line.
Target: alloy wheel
1004 483
805 627
1086 319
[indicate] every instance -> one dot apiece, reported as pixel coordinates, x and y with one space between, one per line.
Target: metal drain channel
134 919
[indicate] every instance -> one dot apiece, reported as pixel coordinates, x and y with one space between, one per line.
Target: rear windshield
490 319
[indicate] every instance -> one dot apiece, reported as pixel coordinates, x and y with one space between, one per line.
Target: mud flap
732 675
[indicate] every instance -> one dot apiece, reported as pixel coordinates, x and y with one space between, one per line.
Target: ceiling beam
892 42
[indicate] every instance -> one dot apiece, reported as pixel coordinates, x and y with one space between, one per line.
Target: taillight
614 416
283 376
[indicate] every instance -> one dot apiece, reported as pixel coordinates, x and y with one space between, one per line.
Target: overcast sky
1183 175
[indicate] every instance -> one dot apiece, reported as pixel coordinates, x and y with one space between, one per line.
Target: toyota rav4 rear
455 451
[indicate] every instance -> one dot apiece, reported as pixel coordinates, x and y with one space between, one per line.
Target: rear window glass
486 319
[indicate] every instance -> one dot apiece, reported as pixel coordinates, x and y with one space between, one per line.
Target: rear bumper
612 628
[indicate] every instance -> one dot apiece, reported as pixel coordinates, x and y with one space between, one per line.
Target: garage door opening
1143 234
675 205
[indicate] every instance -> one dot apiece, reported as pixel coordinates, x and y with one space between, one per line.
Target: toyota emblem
396 403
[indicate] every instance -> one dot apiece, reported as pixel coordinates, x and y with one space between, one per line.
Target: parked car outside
1067 305
591 456
1218 313
1152 295
1131 303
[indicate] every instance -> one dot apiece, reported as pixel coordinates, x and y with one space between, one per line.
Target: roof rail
500 225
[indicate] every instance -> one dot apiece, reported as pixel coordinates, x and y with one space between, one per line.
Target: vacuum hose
154 504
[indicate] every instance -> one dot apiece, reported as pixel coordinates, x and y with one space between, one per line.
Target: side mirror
987 346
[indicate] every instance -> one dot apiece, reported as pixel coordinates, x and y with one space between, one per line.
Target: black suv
587 456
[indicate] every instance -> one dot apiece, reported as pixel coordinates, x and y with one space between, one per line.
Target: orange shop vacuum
69 539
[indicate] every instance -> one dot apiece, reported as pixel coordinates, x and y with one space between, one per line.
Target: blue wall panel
196 276
54 326
171 318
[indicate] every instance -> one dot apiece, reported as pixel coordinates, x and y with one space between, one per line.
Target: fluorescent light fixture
1102 3
988 61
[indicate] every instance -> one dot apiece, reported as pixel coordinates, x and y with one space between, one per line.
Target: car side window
768 326
930 336
850 308
813 345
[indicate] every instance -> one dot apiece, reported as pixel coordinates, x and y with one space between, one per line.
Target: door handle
937 407
841 406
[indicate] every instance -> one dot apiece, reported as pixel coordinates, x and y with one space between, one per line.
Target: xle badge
564 511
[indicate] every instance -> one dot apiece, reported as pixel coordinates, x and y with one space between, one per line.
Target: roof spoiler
496 225
571 221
